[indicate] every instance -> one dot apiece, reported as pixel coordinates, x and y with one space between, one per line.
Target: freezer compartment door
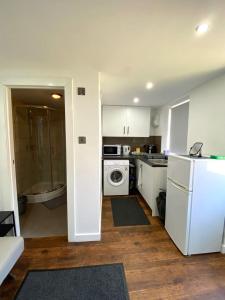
180 170
177 224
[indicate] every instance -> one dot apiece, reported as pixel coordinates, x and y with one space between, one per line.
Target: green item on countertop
217 156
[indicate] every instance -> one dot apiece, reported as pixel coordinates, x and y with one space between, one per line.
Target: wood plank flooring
154 268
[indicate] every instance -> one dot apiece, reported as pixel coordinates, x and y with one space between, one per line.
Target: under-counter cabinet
150 180
126 121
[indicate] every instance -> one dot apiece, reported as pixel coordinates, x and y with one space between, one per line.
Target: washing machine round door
116 177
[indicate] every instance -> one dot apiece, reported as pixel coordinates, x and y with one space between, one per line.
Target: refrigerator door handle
178 186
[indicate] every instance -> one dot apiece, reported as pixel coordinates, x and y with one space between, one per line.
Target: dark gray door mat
128 212
83 283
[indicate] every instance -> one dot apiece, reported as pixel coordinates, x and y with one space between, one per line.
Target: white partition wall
179 128
83 170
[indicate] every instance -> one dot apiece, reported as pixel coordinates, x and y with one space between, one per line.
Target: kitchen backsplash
134 141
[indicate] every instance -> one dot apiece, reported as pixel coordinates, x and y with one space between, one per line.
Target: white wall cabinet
113 118
149 182
126 121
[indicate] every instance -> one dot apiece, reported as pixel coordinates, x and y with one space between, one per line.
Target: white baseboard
223 249
85 237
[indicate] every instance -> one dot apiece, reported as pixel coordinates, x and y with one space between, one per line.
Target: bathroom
40 160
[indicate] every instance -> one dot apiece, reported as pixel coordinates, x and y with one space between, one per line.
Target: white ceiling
129 41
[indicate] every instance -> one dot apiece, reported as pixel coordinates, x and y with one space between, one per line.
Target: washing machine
116 177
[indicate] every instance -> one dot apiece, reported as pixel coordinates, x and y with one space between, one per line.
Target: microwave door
110 150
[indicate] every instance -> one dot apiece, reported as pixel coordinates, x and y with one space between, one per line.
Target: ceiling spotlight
136 100
202 28
149 85
56 96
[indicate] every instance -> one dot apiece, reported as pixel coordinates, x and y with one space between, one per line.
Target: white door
180 170
139 175
147 183
178 204
114 121
138 121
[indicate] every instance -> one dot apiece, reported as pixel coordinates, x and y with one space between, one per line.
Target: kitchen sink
158 161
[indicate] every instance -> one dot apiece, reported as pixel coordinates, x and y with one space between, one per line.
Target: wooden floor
154 268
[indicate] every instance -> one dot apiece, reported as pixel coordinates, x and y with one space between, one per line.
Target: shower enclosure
40 152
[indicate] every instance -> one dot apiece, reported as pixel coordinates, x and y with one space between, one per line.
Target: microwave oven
112 150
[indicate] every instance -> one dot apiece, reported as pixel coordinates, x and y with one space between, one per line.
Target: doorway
8 189
40 160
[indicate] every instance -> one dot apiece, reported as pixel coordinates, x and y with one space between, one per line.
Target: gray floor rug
128 212
83 283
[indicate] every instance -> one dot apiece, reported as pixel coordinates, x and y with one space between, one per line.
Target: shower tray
42 192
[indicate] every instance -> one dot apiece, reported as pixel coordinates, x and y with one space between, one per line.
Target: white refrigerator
195 203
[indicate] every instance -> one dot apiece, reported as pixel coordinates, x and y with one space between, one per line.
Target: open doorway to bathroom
40 160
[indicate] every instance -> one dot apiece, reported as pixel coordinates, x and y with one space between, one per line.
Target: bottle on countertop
152 149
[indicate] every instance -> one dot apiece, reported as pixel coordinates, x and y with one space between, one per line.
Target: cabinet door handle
124 130
128 129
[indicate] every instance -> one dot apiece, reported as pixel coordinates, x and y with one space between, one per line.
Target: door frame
8 193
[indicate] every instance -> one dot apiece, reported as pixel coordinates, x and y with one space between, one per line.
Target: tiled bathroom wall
25 173
58 146
39 141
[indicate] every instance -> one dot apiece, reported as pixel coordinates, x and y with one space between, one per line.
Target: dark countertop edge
141 157
145 160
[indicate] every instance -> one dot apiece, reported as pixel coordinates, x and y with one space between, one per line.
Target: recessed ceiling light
202 28
136 100
56 96
149 85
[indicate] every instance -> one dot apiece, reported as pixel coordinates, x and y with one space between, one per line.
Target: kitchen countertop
149 159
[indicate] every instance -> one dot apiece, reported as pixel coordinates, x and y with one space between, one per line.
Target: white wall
207 116
206 120
88 161
87 164
5 174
